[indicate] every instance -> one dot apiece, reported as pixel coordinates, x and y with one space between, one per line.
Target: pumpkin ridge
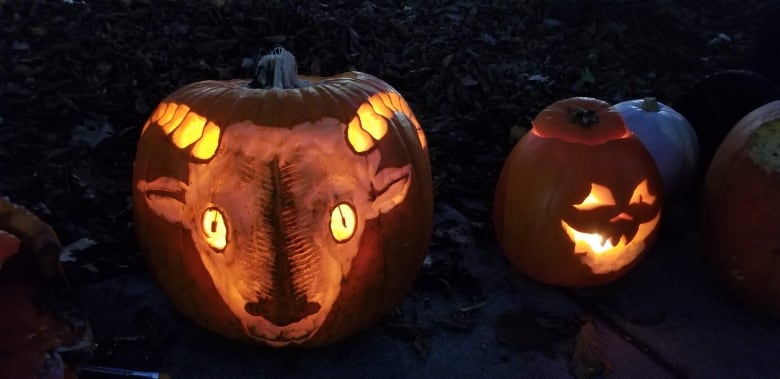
355 93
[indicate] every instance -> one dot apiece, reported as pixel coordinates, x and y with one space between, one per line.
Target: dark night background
79 78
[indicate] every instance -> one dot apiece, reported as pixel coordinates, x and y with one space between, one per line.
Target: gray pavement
666 318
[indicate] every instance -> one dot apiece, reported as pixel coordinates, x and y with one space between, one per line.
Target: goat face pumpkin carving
579 198
263 222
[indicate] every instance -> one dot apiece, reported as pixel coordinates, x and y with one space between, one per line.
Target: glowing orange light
372 122
599 252
190 130
343 222
214 229
159 112
379 106
178 116
597 197
642 194
187 127
207 145
358 138
167 114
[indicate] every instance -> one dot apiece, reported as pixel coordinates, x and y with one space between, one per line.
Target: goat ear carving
164 197
392 185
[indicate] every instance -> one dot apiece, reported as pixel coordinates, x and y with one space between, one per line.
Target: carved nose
286 300
621 216
292 269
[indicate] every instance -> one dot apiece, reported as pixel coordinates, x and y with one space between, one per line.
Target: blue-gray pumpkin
669 138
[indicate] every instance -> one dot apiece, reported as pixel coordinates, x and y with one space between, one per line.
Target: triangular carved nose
621 216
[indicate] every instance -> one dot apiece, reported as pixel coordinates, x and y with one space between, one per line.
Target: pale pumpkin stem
277 69
650 104
583 117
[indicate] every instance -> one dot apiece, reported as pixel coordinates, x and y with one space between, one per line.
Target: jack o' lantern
285 210
578 200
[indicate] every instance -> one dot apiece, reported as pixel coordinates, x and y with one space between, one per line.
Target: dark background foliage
79 78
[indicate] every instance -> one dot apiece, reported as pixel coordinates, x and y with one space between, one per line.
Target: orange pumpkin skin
740 223
545 196
290 167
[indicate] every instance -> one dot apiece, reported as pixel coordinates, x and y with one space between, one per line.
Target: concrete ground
666 318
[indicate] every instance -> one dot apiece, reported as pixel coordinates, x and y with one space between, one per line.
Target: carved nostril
281 312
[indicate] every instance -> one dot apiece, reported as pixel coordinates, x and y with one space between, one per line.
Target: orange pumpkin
578 201
740 224
285 210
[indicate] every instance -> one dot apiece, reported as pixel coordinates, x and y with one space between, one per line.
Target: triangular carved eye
642 195
598 196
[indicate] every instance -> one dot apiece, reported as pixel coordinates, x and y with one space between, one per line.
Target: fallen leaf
20 45
92 132
588 360
468 81
67 252
538 78
587 77
517 132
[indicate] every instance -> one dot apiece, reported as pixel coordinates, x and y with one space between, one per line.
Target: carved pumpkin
579 198
668 137
740 224
283 210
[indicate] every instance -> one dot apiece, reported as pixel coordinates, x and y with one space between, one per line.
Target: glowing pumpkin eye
214 229
599 196
642 195
342 222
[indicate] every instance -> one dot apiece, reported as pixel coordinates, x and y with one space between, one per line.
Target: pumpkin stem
277 69
650 104
582 116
